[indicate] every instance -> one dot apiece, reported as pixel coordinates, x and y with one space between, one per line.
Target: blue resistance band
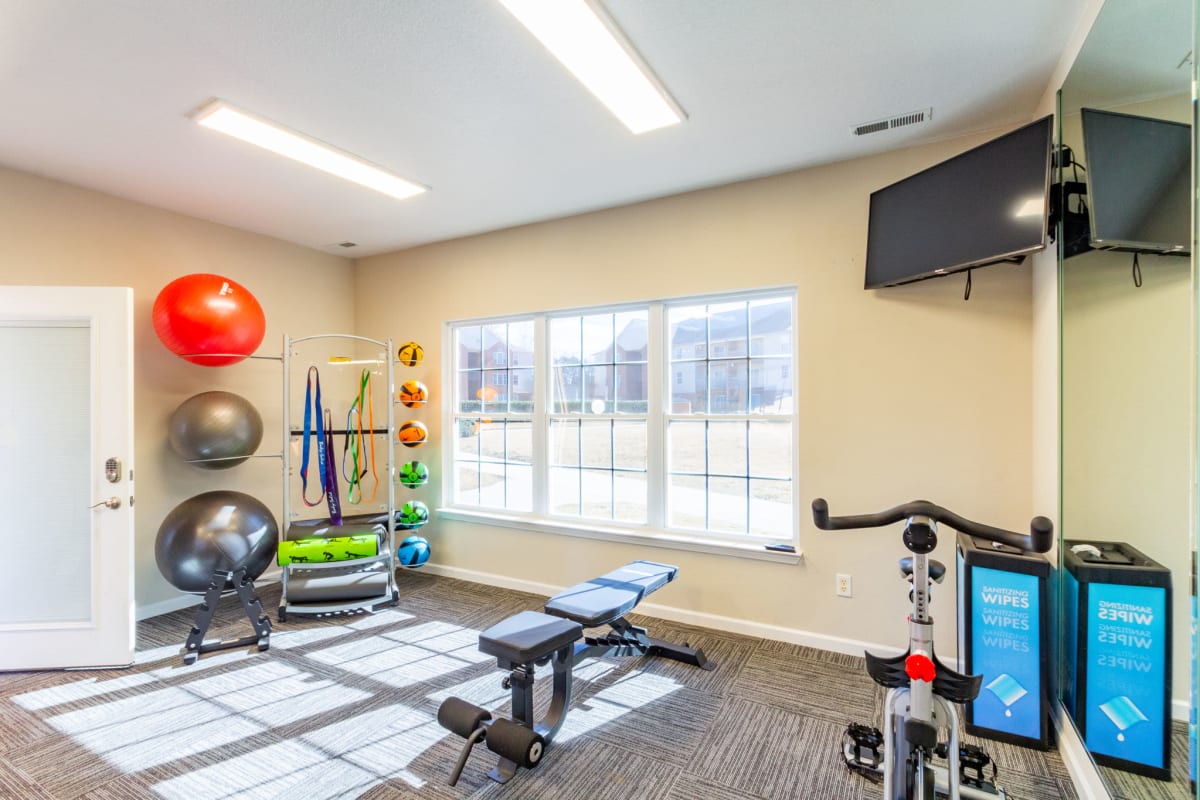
322 454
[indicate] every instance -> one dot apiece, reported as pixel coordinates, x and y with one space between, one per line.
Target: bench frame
622 639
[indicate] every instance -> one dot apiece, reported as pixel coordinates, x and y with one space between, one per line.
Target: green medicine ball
414 474
412 514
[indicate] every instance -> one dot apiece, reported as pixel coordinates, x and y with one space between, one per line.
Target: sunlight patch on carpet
626 695
287 769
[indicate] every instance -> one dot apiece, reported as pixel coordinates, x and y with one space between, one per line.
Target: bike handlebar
1039 539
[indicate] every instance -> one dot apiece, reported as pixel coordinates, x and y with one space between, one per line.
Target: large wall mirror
1128 351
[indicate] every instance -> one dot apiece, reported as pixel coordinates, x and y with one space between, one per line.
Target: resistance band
314 378
331 484
350 448
356 443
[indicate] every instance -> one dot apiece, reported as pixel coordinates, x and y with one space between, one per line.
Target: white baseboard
143 612
167 606
820 641
492 579
1084 775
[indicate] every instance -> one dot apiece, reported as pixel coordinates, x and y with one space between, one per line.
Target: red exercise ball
205 313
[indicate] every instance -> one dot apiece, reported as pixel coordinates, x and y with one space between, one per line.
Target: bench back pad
610 597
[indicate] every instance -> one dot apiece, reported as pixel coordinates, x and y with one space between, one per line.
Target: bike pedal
972 762
866 752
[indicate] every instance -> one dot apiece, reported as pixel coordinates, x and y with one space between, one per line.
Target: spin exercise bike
921 690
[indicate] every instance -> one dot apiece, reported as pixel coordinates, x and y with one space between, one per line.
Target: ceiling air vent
347 244
899 121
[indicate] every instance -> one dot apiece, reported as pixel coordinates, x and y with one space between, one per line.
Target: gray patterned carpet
346 708
1128 786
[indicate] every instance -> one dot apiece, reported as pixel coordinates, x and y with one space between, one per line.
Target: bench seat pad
610 597
528 636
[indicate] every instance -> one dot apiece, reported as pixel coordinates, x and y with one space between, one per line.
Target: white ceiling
456 95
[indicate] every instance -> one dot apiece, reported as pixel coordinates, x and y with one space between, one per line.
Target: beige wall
1127 358
55 234
904 393
907 392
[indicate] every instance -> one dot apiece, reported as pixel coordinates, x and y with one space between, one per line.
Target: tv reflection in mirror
1139 182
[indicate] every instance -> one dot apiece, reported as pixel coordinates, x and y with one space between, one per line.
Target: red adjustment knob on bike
920 668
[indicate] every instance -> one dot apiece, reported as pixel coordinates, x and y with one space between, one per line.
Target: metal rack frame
387 557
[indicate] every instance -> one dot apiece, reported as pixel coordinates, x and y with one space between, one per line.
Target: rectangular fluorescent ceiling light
220 116
588 43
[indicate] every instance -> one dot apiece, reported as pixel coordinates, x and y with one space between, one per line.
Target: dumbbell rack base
195 646
296 576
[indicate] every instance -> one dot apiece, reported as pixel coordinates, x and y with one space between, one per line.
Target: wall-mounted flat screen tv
1139 182
984 206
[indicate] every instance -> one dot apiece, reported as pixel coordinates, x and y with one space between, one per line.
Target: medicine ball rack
340 587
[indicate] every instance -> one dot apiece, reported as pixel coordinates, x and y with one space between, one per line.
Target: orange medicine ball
413 394
410 354
413 433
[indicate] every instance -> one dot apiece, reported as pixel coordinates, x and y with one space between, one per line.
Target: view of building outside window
729 427
493 441
728 422
598 415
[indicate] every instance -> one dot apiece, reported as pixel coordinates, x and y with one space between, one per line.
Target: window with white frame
596 452
672 417
730 427
493 415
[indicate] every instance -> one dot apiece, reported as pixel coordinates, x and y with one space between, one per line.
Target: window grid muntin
494 359
508 464
709 474
494 338
710 351
591 346
583 371
738 346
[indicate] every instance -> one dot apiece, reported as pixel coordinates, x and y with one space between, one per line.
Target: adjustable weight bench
531 639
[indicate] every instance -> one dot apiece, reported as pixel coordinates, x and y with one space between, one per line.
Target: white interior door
66 374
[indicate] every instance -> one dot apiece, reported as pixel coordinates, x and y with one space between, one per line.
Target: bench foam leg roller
515 742
460 717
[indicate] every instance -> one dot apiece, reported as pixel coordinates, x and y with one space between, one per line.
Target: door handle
112 502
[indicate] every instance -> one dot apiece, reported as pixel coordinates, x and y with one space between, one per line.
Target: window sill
670 541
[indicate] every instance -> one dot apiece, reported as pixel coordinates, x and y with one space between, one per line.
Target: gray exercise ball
215 425
221 530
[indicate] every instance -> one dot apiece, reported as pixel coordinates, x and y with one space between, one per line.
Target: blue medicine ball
413 552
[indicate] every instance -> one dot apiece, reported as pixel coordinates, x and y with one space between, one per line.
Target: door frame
108 637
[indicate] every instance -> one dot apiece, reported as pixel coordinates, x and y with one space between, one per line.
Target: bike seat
937 570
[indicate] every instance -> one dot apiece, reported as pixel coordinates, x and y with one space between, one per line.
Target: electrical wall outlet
845 586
